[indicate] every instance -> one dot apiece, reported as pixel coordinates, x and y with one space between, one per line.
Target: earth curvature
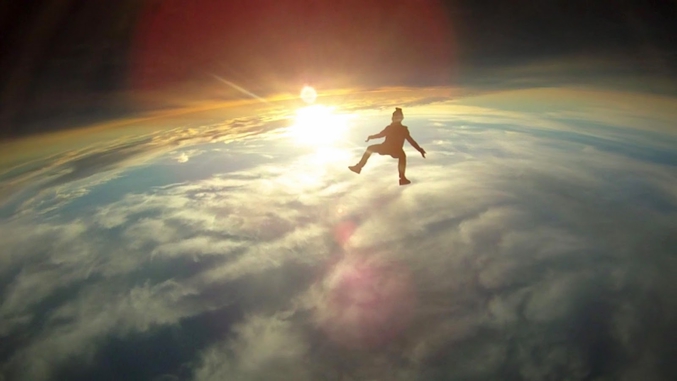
536 242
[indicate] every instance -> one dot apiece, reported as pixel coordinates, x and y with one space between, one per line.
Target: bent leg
371 149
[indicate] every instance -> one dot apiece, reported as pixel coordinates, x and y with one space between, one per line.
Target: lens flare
365 302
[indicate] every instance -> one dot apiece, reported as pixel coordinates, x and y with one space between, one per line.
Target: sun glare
318 125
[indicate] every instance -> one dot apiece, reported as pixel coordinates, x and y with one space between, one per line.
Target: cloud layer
521 252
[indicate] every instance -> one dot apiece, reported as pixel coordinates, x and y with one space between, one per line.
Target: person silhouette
395 135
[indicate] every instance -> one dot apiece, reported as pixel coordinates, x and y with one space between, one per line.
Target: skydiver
395 135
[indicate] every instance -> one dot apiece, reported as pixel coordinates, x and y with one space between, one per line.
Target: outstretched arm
381 134
415 145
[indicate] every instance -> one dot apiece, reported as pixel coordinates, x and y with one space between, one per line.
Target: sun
308 94
319 125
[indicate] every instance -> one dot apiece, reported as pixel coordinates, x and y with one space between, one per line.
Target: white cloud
506 241
75 329
262 348
184 155
56 256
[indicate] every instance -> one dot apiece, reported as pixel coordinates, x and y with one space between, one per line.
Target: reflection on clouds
363 301
512 251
